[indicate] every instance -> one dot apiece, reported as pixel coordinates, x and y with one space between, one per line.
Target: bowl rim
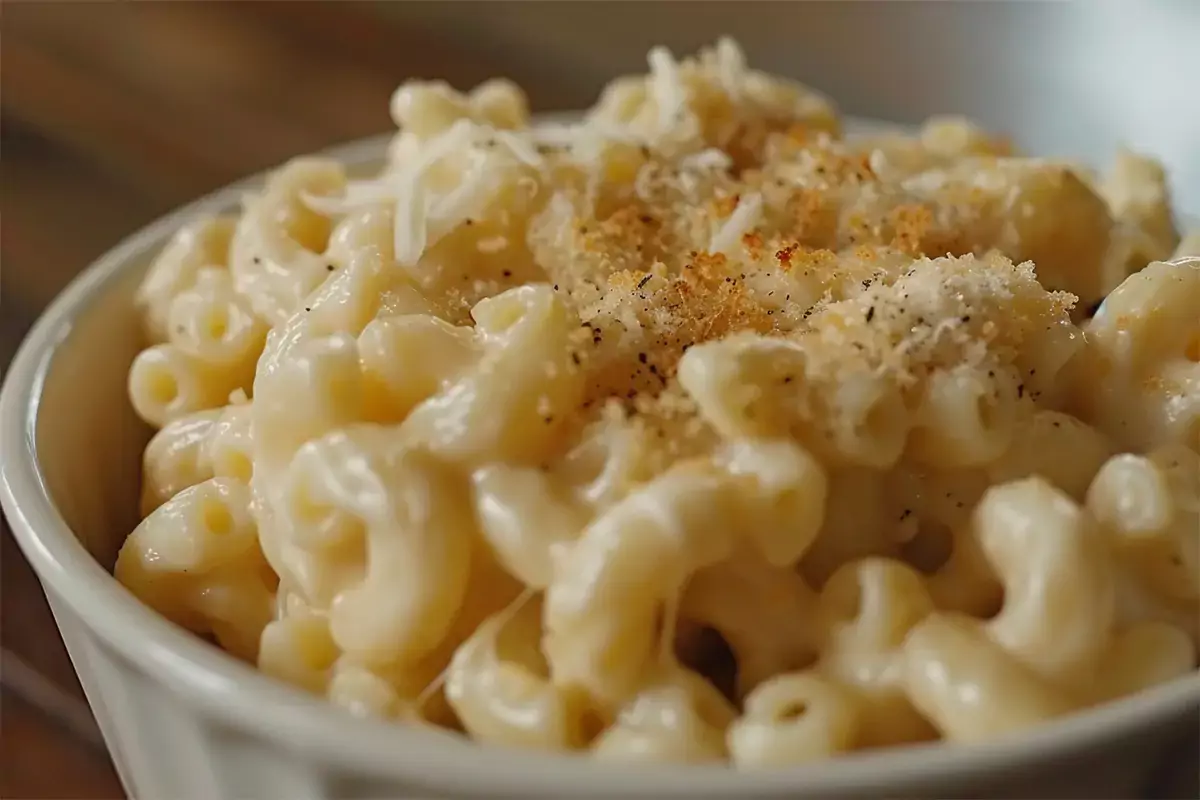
238 695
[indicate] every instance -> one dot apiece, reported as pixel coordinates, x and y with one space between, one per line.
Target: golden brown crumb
811 228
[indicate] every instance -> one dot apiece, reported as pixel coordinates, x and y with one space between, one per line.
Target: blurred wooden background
113 113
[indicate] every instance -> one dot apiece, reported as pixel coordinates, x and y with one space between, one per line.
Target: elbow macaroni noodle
496 439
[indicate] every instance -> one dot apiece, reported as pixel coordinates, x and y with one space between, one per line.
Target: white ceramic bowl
184 720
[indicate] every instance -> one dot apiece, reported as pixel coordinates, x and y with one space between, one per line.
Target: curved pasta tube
203 242
165 384
1059 586
513 404
427 108
211 322
1149 507
1031 210
418 688
214 344
611 458
309 379
858 523
966 582
602 607
367 228
949 136
228 448
315 389
766 614
309 382
383 693
676 717
786 499
1143 655
299 649
396 602
1138 379
527 522
752 386
174 459
196 561
529 515
970 687
192 449
795 718
498 685
932 514
1138 196
364 693
966 417
408 359
1138 603
1061 448
866 609
276 256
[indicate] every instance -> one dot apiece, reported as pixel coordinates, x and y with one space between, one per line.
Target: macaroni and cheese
691 431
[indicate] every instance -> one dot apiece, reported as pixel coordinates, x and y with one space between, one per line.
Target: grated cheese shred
424 215
743 220
667 87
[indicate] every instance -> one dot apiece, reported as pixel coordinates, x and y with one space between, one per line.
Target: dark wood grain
44 760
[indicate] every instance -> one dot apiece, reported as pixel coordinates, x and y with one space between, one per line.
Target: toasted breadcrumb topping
706 199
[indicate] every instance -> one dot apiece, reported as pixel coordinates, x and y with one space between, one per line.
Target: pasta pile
689 432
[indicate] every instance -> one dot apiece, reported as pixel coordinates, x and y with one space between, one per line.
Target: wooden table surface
114 114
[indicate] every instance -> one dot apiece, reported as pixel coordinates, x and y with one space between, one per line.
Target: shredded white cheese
708 160
424 215
666 87
740 222
731 67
